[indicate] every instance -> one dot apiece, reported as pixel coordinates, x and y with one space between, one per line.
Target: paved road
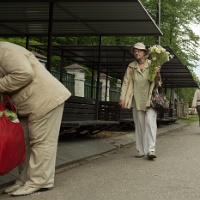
174 175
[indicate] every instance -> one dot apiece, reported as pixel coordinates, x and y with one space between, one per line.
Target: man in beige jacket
196 102
39 99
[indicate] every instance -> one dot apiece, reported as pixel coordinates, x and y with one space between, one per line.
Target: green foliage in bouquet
9 114
158 56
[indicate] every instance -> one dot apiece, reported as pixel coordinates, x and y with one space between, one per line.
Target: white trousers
145 130
41 137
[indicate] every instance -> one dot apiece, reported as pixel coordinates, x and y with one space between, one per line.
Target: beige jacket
196 99
127 89
33 90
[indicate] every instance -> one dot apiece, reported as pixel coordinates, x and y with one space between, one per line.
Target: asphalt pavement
71 151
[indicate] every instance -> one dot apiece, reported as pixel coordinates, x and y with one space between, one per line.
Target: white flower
158 51
152 49
159 56
163 50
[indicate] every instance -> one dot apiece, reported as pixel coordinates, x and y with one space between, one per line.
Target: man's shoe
25 190
151 155
12 188
139 155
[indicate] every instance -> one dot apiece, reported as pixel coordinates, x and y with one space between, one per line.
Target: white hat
138 45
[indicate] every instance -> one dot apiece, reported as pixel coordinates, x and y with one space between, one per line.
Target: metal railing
114 93
90 90
67 79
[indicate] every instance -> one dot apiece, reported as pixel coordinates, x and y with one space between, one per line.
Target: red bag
12 144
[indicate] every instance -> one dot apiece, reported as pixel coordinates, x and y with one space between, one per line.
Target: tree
177 16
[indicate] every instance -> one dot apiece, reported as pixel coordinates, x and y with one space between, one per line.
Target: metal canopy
115 59
75 18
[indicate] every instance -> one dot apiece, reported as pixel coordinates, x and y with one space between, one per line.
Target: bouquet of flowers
158 56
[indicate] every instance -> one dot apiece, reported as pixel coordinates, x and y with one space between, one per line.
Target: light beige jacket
33 90
127 89
196 98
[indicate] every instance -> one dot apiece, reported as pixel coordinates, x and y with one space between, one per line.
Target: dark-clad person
39 99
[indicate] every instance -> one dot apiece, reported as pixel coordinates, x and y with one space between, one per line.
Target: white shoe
151 155
12 188
27 190
139 155
24 190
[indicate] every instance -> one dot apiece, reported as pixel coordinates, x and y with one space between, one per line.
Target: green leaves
9 114
177 17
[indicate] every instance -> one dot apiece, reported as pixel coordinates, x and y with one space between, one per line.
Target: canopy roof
75 18
25 18
115 59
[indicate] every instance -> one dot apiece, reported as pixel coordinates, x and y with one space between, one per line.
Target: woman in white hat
136 93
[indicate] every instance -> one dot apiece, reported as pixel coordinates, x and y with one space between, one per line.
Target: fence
114 93
183 110
90 90
67 80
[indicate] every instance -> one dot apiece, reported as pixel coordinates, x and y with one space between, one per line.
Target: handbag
12 143
159 101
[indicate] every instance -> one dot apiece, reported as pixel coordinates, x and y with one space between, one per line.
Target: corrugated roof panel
24 11
115 59
76 18
103 10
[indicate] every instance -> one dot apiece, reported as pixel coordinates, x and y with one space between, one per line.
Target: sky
196 29
197 70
